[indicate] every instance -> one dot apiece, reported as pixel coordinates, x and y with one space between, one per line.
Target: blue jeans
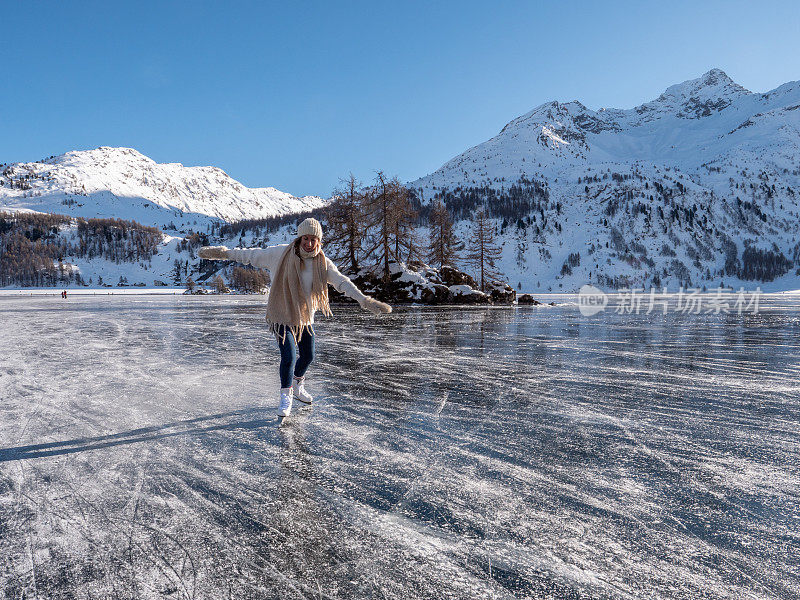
295 356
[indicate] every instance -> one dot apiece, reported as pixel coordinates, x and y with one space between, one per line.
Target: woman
300 274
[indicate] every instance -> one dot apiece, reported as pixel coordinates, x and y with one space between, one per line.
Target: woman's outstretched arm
263 258
343 284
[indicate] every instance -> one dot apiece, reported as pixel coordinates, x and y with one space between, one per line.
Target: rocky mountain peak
697 98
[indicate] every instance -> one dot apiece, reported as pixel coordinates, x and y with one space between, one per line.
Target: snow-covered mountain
123 183
700 185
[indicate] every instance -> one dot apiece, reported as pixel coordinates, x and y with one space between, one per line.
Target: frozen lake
626 456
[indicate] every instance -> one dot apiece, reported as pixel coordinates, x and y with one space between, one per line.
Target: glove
375 306
213 252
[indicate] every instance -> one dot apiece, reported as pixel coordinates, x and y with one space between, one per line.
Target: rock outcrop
427 285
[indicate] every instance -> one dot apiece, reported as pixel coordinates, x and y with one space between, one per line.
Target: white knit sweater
269 258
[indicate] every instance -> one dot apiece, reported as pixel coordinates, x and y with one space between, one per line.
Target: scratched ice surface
480 453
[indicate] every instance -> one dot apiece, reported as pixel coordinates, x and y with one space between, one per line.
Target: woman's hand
213 252
376 307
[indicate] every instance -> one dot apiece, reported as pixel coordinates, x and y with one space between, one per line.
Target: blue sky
296 95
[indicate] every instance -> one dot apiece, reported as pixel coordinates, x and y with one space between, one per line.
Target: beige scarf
288 304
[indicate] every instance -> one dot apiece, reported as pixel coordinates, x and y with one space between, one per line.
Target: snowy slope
654 195
122 183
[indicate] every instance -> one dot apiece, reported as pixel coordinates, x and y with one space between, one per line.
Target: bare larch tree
483 252
390 219
443 247
346 224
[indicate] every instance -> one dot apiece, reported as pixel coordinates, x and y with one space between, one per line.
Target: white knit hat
310 227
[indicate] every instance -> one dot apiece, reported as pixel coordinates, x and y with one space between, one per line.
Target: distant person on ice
300 274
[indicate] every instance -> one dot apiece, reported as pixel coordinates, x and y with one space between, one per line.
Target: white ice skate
285 408
300 392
